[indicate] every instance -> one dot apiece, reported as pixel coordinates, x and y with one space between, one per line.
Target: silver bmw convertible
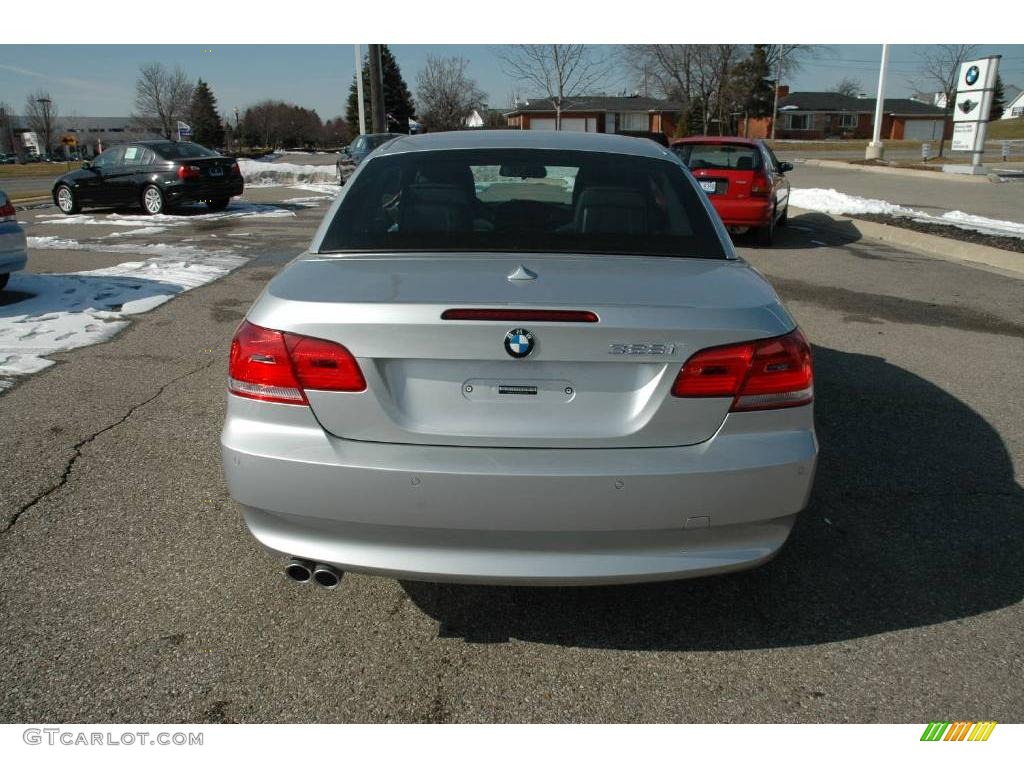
520 357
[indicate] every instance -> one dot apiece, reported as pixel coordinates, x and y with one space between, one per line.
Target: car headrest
612 210
745 163
435 208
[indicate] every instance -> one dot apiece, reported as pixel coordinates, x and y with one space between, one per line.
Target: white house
1015 106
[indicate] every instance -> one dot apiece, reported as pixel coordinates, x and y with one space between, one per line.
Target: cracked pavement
130 590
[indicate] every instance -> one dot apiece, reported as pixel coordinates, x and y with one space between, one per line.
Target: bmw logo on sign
519 343
972 75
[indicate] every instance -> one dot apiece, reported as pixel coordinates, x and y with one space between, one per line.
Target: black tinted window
523 200
720 156
171 150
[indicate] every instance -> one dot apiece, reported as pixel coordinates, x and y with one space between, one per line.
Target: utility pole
875 150
377 118
359 89
778 82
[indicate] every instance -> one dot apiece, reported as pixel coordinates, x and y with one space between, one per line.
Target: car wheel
67 200
784 218
219 204
766 234
153 200
3 280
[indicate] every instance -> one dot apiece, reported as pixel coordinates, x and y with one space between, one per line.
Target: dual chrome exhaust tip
303 571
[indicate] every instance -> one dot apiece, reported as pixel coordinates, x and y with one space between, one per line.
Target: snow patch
841 204
260 173
72 310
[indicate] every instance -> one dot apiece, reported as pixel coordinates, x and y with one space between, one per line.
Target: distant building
91 133
1014 99
817 115
597 114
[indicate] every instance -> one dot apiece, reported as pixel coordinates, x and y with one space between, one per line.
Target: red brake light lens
235 171
770 373
324 365
759 186
277 367
7 210
189 172
521 315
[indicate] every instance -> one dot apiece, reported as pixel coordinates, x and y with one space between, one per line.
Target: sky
99 80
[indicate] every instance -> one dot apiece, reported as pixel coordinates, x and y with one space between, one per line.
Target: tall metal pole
778 82
875 150
359 89
377 119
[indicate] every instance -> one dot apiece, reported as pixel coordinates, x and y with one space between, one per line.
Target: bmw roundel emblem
972 75
519 343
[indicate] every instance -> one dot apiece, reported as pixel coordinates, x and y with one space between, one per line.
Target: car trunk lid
599 384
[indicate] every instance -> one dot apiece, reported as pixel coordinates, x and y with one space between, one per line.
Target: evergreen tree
207 127
397 99
998 100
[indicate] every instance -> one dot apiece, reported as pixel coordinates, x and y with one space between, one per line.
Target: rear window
720 157
523 200
182 149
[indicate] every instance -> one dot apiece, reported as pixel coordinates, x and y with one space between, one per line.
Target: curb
30 200
932 175
945 248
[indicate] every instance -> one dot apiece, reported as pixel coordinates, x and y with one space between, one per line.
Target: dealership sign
973 103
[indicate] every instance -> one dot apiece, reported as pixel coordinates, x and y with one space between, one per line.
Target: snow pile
982 224
256 172
841 204
72 310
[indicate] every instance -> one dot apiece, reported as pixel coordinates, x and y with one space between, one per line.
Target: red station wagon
744 180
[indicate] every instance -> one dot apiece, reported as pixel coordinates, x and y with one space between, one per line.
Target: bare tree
667 70
41 113
940 68
848 86
560 71
162 97
446 94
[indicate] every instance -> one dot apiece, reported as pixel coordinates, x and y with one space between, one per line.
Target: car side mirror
346 152
86 165
784 167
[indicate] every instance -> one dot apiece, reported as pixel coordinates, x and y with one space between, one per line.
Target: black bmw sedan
154 174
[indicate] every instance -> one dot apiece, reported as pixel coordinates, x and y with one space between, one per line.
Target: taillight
189 172
770 373
7 210
234 170
278 367
759 186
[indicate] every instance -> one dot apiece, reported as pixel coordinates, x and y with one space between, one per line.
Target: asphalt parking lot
130 590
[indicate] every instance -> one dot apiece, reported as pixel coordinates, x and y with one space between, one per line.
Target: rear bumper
201 191
520 516
753 212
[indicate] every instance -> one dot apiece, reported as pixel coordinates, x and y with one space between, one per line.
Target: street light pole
359 89
875 150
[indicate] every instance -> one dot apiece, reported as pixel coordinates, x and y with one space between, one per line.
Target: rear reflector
278 367
523 315
770 373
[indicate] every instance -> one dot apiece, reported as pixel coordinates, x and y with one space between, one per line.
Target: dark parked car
154 174
362 146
